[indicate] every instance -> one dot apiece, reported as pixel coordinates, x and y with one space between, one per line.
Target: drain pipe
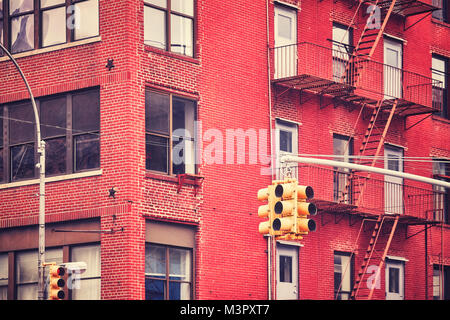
269 88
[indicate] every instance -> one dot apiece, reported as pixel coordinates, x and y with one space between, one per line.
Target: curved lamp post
41 166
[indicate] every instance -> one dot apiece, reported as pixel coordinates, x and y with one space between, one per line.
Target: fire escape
353 77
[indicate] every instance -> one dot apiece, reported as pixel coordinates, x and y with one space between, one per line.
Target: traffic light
287 210
57 283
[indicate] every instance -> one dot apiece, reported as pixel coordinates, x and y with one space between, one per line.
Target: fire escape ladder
369 151
367 43
366 280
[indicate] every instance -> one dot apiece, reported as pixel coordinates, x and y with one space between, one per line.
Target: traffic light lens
278 207
61 295
312 209
279 190
311 225
309 192
61 271
276 225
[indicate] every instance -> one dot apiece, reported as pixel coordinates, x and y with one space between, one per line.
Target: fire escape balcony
339 191
338 74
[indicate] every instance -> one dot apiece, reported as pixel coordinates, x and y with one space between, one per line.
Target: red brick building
158 117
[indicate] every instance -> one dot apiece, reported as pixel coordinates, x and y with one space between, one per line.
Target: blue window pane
154 289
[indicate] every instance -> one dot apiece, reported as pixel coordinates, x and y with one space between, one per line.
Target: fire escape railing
334 70
381 196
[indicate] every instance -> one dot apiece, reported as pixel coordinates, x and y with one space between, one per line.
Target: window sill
440 119
441 23
53 48
171 54
162 177
52 179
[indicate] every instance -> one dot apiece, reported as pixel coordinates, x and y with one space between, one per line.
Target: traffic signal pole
41 165
358 167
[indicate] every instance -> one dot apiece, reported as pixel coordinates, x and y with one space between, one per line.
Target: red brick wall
228 78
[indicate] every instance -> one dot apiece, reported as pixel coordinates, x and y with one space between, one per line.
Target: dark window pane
53 117
55 156
22 33
87 152
285 141
179 291
22 128
157 112
53 26
1 165
86 111
285 269
154 289
1 30
22 162
157 151
394 280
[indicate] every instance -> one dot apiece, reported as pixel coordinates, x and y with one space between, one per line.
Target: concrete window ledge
52 179
52 48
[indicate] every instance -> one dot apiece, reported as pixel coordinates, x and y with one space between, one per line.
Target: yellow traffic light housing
57 283
287 210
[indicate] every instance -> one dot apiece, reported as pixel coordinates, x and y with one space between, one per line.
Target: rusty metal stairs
368 275
367 43
369 151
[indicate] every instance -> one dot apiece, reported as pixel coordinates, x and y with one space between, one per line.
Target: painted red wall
228 78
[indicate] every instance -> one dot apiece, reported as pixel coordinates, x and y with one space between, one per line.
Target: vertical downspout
426 262
269 239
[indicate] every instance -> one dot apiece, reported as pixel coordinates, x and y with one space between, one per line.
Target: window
168 273
439 71
441 282
169 25
343 271
3 276
170 141
70 126
442 14
441 171
88 287
286 135
342 188
53 21
27 274
342 49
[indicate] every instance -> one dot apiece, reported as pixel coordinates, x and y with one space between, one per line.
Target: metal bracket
404 22
111 231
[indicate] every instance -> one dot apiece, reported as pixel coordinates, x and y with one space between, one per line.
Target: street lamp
41 166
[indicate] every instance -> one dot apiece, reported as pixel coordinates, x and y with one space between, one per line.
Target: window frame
37 13
168 26
338 172
339 57
166 278
12 283
445 111
170 136
70 135
351 272
444 7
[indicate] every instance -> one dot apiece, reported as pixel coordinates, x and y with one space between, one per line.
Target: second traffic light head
286 190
